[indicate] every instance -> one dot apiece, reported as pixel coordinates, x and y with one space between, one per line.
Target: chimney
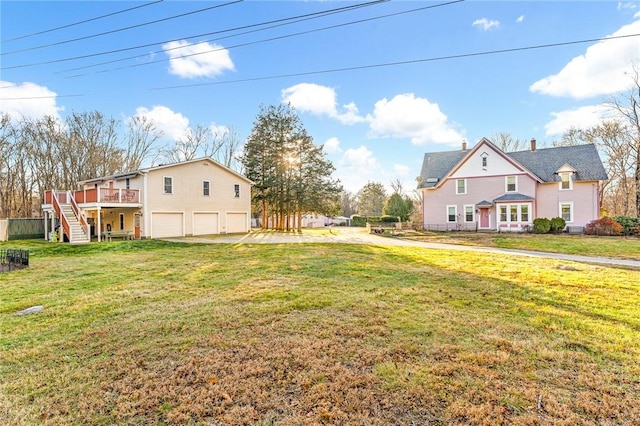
464 145
533 144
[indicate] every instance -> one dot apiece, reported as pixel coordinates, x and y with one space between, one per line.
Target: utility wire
121 29
390 64
370 66
80 22
249 43
282 21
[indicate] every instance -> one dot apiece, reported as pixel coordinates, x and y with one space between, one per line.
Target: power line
121 29
370 66
80 22
282 21
389 64
250 43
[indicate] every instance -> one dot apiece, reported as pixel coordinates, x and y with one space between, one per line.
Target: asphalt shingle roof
541 162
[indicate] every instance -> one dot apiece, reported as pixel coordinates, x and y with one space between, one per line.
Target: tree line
39 154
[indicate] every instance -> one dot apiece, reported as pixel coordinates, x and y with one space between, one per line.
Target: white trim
570 175
465 187
473 213
236 194
566 203
506 183
164 186
208 188
455 213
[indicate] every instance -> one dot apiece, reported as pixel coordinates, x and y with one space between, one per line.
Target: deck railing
98 195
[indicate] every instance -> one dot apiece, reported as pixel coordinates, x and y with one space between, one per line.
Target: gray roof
513 197
545 162
436 165
484 203
542 162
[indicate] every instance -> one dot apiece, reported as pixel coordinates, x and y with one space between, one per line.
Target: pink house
486 188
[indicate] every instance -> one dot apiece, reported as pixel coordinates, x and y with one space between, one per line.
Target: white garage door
165 225
236 222
205 223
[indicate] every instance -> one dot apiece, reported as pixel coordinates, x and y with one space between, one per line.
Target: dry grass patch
316 334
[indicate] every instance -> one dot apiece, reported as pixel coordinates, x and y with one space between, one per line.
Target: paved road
360 236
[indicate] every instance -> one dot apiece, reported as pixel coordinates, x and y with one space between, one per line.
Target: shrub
389 219
359 220
630 225
557 225
541 225
604 226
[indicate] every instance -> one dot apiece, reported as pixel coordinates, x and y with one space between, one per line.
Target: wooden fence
21 229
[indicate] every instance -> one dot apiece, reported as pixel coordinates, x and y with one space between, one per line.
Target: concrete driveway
361 236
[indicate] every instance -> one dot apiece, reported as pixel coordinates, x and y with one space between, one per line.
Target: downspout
145 209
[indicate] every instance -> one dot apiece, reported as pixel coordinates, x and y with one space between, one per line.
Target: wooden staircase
72 223
78 234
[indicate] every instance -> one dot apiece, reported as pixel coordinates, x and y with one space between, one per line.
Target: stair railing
83 220
66 228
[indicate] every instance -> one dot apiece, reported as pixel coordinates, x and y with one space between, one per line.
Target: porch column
99 228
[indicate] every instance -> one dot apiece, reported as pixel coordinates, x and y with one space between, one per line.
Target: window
484 162
524 213
513 213
236 190
566 211
121 221
127 183
451 213
565 182
205 188
468 213
168 185
503 213
461 186
512 183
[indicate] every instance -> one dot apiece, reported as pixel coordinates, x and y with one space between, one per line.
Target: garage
165 225
237 222
205 224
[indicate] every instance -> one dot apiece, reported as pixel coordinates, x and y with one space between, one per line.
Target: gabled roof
546 161
134 173
542 163
513 197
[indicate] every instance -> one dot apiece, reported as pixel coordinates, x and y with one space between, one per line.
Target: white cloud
357 167
27 100
401 169
197 60
218 130
172 124
406 116
486 24
626 5
602 70
579 118
320 100
332 146
520 19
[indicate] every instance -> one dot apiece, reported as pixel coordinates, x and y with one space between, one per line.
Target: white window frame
570 180
164 185
566 203
485 162
208 188
236 190
506 183
508 211
455 213
528 206
473 213
465 186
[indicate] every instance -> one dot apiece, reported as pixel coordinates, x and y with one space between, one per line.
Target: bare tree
507 143
628 106
141 136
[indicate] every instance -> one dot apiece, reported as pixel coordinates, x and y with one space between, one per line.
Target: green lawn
149 332
619 247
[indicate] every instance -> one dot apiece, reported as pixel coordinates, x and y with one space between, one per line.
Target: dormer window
566 183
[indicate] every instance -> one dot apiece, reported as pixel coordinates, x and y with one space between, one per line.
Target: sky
377 83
